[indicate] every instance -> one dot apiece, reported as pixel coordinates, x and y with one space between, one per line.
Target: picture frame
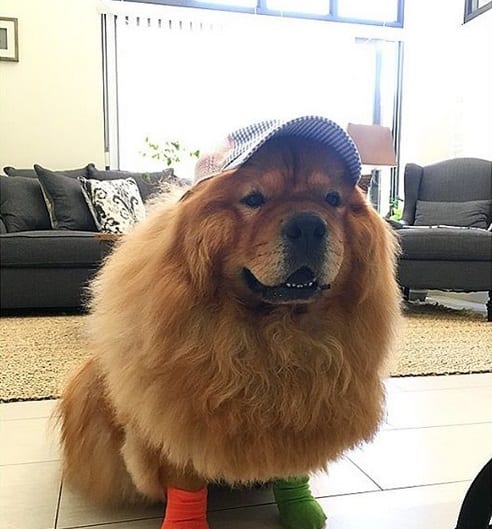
9 40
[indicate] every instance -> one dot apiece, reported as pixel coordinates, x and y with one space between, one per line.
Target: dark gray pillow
65 202
22 206
472 214
149 184
12 171
31 173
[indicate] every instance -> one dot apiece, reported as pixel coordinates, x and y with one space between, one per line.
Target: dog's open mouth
302 285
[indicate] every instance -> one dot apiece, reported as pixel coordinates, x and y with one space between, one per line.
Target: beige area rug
37 353
437 340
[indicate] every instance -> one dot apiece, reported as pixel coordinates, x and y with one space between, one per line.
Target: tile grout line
393 489
435 484
365 473
13 419
404 391
104 524
455 425
29 463
250 506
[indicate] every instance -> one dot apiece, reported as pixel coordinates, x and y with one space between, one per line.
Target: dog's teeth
301 285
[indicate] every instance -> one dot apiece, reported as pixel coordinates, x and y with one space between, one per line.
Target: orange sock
186 510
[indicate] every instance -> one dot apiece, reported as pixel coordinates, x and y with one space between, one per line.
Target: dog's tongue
302 276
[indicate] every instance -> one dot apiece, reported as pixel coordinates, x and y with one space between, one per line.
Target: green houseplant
170 152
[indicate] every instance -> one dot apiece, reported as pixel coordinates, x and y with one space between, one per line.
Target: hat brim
316 128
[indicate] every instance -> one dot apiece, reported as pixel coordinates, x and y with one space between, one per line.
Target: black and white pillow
116 205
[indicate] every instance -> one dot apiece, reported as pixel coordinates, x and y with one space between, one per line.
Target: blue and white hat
241 144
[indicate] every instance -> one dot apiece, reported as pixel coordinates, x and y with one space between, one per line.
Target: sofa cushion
472 213
31 173
116 205
22 206
446 244
51 249
65 202
149 184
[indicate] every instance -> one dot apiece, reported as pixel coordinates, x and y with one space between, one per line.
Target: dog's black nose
305 232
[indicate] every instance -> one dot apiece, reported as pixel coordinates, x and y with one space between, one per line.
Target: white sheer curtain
191 75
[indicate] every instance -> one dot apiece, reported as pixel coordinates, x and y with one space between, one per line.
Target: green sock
296 505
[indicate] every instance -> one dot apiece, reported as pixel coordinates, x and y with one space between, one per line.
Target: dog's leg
186 509
186 506
92 439
143 464
297 507
155 478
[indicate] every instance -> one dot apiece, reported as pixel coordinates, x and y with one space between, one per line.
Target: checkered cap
241 144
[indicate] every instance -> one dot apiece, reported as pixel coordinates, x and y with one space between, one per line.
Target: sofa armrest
412 178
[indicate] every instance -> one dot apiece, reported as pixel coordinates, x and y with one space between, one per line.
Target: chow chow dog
237 336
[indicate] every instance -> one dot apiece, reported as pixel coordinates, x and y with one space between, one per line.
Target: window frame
261 9
472 10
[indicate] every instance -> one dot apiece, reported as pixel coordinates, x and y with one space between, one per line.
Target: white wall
476 86
447 108
51 100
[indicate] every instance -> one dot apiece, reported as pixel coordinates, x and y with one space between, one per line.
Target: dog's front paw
186 509
307 514
296 505
185 524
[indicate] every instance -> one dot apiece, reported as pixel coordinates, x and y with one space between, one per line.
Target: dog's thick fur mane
194 377
207 379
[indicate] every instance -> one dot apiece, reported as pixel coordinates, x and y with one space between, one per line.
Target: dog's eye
253 200
333 198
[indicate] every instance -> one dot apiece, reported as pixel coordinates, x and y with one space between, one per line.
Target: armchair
446 236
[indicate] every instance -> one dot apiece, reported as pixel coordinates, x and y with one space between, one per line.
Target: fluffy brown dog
237 335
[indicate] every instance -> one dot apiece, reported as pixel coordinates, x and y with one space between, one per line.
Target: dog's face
275 230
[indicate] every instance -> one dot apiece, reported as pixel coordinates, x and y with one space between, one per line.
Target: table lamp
375 146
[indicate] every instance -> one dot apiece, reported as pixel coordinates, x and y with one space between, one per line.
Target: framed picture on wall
9 43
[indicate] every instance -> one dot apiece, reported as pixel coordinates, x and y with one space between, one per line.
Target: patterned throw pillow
116 205
149 184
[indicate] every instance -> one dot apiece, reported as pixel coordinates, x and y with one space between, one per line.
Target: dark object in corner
476 510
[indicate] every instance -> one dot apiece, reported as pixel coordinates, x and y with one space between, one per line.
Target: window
228 3
319 7
383 10
193 75
473 8
374 12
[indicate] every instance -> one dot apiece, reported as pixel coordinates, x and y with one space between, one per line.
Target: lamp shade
374 143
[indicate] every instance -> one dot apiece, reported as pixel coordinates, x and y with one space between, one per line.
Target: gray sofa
46 268
446 238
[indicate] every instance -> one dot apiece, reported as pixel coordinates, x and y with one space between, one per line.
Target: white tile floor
412 476
437 436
